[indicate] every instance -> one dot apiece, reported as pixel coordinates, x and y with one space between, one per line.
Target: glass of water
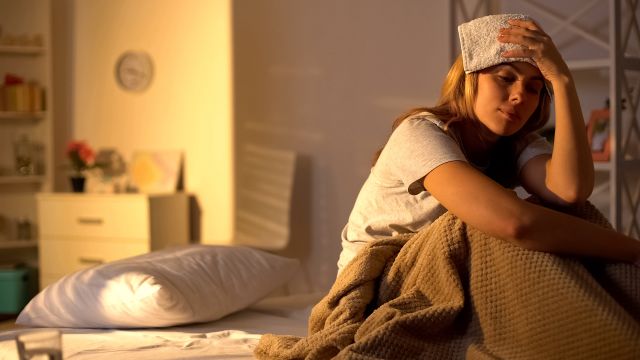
40 345
23 152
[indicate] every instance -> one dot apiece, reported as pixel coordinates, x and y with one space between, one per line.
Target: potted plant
81 157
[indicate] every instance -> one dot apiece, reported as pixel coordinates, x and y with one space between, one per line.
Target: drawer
94 216
59 257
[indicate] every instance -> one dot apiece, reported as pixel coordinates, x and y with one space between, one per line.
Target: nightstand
81 230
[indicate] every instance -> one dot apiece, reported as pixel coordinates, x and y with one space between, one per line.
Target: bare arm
487 206
568 175
571 166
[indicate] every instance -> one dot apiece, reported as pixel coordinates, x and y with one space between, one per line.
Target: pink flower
80 155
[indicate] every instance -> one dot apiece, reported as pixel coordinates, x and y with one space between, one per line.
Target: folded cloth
479 42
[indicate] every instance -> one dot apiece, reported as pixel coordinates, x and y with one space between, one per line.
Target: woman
466 153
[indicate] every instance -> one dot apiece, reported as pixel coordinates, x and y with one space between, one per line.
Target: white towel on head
479 42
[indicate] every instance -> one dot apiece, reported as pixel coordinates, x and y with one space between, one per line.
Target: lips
510 114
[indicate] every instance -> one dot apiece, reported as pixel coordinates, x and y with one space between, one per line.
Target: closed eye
534 89
506 79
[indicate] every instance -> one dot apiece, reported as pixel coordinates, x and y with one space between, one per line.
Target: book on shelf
12 265
16 95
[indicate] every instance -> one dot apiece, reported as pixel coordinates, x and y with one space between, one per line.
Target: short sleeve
414 149
537 145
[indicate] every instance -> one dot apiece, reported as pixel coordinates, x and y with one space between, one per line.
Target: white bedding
170 287
232 337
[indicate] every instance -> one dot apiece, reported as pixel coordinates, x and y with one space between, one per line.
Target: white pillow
182 285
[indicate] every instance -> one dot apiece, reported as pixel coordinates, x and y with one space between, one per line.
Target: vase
77 183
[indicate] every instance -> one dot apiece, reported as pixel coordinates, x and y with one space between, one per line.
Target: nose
517 92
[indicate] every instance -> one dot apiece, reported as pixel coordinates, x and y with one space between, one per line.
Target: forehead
519 67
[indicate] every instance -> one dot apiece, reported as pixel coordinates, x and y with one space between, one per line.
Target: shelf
619 66
21 115
17 179
18 244
21 50
593 64
626 164
602 166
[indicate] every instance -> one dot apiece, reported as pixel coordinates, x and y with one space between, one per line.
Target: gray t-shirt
393 199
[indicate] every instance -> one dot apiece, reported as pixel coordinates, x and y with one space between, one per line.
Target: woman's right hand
537 45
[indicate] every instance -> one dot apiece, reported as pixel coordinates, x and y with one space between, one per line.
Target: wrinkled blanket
453 292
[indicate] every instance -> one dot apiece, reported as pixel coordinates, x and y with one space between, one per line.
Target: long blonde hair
456 102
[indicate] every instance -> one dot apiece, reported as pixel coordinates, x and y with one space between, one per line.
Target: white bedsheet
232 337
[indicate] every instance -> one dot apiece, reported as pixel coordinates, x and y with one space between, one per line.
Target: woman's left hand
537 45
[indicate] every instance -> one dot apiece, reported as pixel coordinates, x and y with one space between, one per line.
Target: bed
231 337
189 302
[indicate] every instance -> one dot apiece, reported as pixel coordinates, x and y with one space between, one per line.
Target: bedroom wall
326 79
322 78
188 105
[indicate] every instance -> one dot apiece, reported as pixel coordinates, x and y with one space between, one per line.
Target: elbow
518 230
574 197
574 194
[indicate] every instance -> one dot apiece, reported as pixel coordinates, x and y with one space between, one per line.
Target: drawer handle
90 221
90 261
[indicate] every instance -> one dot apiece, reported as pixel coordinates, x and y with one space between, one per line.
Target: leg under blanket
453 292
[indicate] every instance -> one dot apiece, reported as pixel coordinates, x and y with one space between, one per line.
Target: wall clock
134 70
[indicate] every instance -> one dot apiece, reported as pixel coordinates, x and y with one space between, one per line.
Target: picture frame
154 172
598 134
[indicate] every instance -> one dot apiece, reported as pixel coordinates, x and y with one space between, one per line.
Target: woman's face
507 96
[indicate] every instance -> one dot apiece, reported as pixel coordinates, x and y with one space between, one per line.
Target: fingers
535 44
520 53
528 29
525 24
531 38
523 34
527 41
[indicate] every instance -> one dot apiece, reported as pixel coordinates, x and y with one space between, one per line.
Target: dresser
82 230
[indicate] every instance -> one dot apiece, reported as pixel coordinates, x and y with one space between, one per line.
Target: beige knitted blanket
453 292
